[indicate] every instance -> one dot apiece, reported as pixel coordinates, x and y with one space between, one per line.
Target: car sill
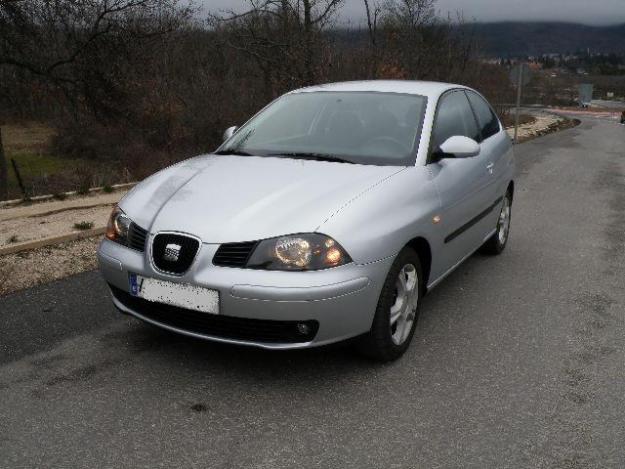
455 266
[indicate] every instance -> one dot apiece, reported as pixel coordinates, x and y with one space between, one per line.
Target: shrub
84 176
83 225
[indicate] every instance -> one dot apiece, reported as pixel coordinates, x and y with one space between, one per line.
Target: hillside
511 39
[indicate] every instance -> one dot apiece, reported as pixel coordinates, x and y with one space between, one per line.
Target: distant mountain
509 39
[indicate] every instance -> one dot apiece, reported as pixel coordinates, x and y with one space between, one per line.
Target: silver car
326 217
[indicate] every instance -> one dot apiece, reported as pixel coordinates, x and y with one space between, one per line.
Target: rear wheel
497 242
397 311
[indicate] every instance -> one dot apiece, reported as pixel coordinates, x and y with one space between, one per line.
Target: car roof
430 89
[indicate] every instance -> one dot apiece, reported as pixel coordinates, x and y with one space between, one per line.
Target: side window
454 117
489 123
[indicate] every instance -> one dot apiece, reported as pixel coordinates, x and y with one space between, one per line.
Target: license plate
176 294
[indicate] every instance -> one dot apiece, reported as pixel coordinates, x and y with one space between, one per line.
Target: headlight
118 226
298 252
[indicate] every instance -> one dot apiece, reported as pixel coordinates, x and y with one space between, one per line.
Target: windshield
356 127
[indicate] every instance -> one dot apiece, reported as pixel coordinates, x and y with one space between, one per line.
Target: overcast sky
579 11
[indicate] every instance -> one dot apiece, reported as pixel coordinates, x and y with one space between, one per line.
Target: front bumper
340 302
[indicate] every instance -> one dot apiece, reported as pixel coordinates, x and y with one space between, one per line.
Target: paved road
518 360
619 105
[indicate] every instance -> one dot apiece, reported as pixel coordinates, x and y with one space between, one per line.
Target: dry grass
28 144
43 171
31 137
29 268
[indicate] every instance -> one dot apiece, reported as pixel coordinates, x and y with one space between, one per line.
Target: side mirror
229 132
460 147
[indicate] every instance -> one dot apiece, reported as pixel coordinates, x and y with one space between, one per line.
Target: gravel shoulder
545 122
29 268
32 222
53 218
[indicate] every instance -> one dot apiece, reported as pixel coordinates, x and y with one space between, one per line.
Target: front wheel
397 311
497 242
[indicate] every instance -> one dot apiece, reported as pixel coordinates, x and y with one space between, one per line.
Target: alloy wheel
403 310
503 226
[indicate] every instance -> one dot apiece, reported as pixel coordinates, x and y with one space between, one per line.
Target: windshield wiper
236 149
313 156
233 152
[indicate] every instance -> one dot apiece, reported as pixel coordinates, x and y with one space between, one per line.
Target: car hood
231 198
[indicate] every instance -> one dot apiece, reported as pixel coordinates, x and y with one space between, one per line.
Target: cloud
578 11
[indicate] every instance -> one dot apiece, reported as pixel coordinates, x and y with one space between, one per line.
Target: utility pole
519 87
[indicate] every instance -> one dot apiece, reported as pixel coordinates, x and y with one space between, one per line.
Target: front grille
174 253
215 325
234 254
136 237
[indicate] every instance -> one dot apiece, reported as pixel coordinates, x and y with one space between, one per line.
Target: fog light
303 328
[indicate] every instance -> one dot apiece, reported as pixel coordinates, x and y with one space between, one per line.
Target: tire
387 341
497 242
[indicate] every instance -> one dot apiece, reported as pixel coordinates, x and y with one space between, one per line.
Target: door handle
490 167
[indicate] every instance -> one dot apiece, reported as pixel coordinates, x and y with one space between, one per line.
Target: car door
462 183
495 144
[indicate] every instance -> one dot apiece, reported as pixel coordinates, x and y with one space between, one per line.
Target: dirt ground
30 268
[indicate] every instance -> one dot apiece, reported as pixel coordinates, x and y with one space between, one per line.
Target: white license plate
175 294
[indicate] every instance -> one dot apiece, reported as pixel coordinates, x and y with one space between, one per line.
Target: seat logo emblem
172 252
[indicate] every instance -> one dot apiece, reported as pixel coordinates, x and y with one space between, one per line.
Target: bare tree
283 37
409 27
64 41
373 9
141 82
78 47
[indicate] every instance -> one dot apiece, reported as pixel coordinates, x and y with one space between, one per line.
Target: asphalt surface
518 361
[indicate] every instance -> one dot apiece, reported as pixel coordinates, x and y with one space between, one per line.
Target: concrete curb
39 243
43 198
